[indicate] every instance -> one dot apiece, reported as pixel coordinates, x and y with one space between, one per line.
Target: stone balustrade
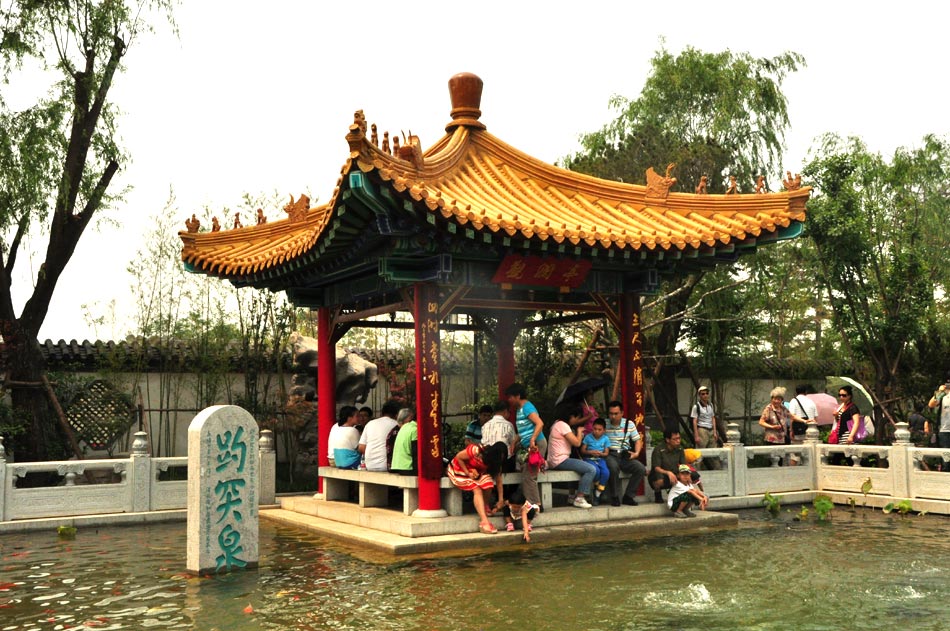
744 473
136 484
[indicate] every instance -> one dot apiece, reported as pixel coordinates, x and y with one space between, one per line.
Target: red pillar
631 362
326 385
428 395
504 338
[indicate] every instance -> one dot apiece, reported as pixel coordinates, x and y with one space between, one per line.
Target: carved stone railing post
899 460
740 466
3 480
812 451
141 469
267 469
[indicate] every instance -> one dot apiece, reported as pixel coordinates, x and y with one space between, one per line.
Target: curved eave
253 249
480 184
475 180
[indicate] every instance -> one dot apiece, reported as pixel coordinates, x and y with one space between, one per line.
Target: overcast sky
257 97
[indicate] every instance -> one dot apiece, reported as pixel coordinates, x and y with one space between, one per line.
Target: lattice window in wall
101 415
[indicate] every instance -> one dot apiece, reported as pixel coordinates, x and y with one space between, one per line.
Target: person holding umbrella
582 392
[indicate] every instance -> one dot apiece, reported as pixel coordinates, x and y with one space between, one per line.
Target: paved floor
390 531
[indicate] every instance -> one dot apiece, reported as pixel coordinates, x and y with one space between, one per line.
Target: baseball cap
702 389
684 468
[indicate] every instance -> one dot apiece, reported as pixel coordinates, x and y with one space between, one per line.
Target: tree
713 114
58 160
881 231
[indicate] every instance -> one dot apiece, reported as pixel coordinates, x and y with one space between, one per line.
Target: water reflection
865 569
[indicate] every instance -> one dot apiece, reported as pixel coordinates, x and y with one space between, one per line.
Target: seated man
625 447
374 441
667 457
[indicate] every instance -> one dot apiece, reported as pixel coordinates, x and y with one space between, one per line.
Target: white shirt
342 437
678 489
374 437
802 406
498 429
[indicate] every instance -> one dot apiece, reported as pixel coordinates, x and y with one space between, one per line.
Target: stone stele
222 491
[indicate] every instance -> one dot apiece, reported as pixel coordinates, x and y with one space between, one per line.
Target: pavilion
474 226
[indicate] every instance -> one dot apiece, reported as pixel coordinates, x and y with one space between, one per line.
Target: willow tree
881 231
58 160
714 114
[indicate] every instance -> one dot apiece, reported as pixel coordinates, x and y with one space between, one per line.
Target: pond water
863 570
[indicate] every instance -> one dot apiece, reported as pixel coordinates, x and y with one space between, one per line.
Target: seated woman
344 437
477 468
564 435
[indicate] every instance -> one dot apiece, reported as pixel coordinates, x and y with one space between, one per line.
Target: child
518 510
594 449
684 494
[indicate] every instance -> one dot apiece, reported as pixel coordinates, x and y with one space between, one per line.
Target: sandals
487 528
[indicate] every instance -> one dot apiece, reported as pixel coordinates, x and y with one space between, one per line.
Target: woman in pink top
564 435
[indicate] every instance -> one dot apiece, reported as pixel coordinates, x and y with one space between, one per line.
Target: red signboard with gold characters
517 269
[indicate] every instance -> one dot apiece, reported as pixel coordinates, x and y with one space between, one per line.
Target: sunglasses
842 394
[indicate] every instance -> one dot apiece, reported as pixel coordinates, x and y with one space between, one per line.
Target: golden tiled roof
473 179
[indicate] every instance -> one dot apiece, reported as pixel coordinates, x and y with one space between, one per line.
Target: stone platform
390 531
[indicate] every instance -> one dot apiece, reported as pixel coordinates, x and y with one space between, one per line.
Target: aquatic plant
66 532
866 487
773 503
902 507
802 514
823 506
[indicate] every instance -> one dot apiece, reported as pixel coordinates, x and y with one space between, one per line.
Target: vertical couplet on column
326 385
428 394
631 361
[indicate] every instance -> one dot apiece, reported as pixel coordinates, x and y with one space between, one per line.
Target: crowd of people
604 451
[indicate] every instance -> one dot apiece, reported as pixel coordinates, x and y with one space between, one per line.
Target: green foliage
823 506
879 228
802 514
902 507
710 113
714 114
66 532
58 158
543 361
772 503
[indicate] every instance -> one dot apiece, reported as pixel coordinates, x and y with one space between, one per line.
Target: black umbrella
579 388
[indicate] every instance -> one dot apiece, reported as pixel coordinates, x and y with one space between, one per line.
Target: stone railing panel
97 487
781 476
851 478
73 496
929 477
168 494
717 482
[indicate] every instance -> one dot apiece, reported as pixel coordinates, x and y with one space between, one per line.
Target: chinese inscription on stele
222 497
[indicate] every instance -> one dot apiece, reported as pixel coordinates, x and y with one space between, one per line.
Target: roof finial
465 90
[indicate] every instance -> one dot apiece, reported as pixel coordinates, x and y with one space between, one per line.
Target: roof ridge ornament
297 210
465 91
790 183
357 131
658 186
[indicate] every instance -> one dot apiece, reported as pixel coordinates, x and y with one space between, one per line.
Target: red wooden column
505 333
631 361
326 385
428 399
